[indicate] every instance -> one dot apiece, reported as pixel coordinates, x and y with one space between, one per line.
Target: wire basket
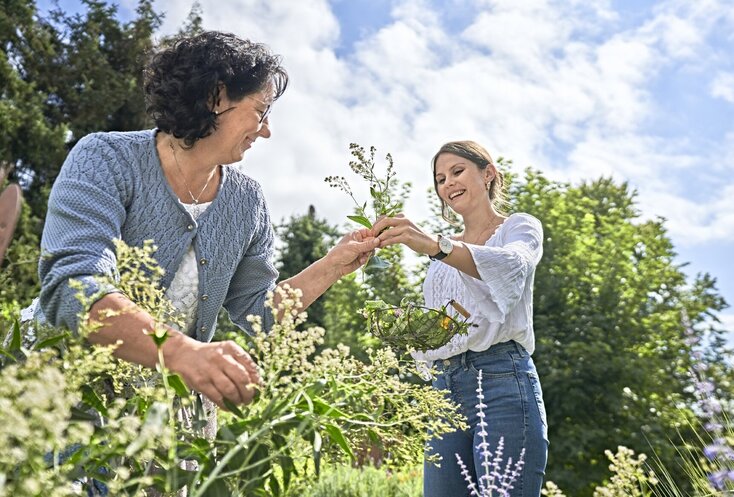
415 327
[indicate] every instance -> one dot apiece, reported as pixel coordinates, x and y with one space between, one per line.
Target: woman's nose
265 128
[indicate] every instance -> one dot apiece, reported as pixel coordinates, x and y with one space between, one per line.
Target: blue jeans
514 412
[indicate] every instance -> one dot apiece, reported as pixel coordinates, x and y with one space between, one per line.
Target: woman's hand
219 370
399 229
352 251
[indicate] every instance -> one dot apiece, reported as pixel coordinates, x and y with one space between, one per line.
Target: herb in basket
415 327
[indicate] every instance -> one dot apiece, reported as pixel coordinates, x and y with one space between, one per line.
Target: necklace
479 237
195 200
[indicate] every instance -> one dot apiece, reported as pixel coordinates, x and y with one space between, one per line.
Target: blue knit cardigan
112 186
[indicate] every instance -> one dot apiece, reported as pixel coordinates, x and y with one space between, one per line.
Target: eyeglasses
263 113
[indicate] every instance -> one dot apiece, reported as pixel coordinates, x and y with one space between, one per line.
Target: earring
489 184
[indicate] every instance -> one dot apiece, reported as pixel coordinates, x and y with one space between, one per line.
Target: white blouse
501 303
184 289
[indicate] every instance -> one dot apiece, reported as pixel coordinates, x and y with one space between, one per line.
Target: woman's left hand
400 229
352 251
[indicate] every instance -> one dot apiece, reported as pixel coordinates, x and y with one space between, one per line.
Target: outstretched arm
400 229
352 251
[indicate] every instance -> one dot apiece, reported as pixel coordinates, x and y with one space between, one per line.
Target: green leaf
50 342
90 397
159 336
361 220
232 407
374 192
82 415
217 489
7 354
15 338
336 435
322 408
178 385
376 263
289 469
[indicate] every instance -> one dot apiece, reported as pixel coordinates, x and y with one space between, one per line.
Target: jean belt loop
520 350
463 361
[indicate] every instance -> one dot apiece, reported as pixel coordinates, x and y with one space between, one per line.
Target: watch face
445 245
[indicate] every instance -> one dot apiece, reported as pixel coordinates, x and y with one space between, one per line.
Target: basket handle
459 308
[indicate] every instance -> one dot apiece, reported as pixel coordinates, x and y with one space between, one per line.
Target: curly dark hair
182 80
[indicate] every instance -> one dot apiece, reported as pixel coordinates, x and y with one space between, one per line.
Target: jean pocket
493 365
538 395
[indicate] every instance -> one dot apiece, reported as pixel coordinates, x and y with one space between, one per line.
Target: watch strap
441 254
438 256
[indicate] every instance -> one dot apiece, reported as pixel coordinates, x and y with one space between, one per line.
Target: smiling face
239 124
460 183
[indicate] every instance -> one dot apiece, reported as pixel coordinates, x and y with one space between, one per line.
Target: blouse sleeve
86 210
255 276
504 270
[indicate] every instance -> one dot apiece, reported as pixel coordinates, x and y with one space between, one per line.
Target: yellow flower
445 323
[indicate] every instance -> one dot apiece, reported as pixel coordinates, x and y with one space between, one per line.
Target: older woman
209 96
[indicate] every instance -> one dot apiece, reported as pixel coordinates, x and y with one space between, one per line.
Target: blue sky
640 91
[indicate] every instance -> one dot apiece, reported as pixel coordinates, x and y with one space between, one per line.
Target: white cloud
524 78
723 86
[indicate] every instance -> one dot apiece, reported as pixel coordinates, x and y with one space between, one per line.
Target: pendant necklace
195 200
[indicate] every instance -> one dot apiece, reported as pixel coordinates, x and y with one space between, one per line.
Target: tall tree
611 345
304 240
63 76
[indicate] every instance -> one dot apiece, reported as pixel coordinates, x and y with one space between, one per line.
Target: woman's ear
489 173
219 100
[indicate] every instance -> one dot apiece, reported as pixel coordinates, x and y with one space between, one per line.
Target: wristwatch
445 247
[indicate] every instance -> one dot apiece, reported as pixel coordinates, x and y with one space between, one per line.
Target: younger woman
489 269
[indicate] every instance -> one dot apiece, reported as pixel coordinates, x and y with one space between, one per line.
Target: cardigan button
205 297
203 329
203 261
190 227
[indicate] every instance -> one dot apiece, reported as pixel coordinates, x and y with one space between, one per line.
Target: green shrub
368 481
70 410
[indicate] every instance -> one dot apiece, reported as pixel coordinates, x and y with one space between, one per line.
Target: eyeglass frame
265 113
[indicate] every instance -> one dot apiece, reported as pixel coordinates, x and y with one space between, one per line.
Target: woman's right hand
219 370
400 229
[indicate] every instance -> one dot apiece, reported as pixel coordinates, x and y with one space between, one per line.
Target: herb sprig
383 203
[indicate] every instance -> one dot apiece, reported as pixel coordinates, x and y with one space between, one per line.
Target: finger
367 245
243 358
229 382
240 377
252 370
211 393
391 233
381 223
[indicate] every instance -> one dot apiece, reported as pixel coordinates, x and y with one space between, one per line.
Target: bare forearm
129 328
221 370
312 281
461 259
